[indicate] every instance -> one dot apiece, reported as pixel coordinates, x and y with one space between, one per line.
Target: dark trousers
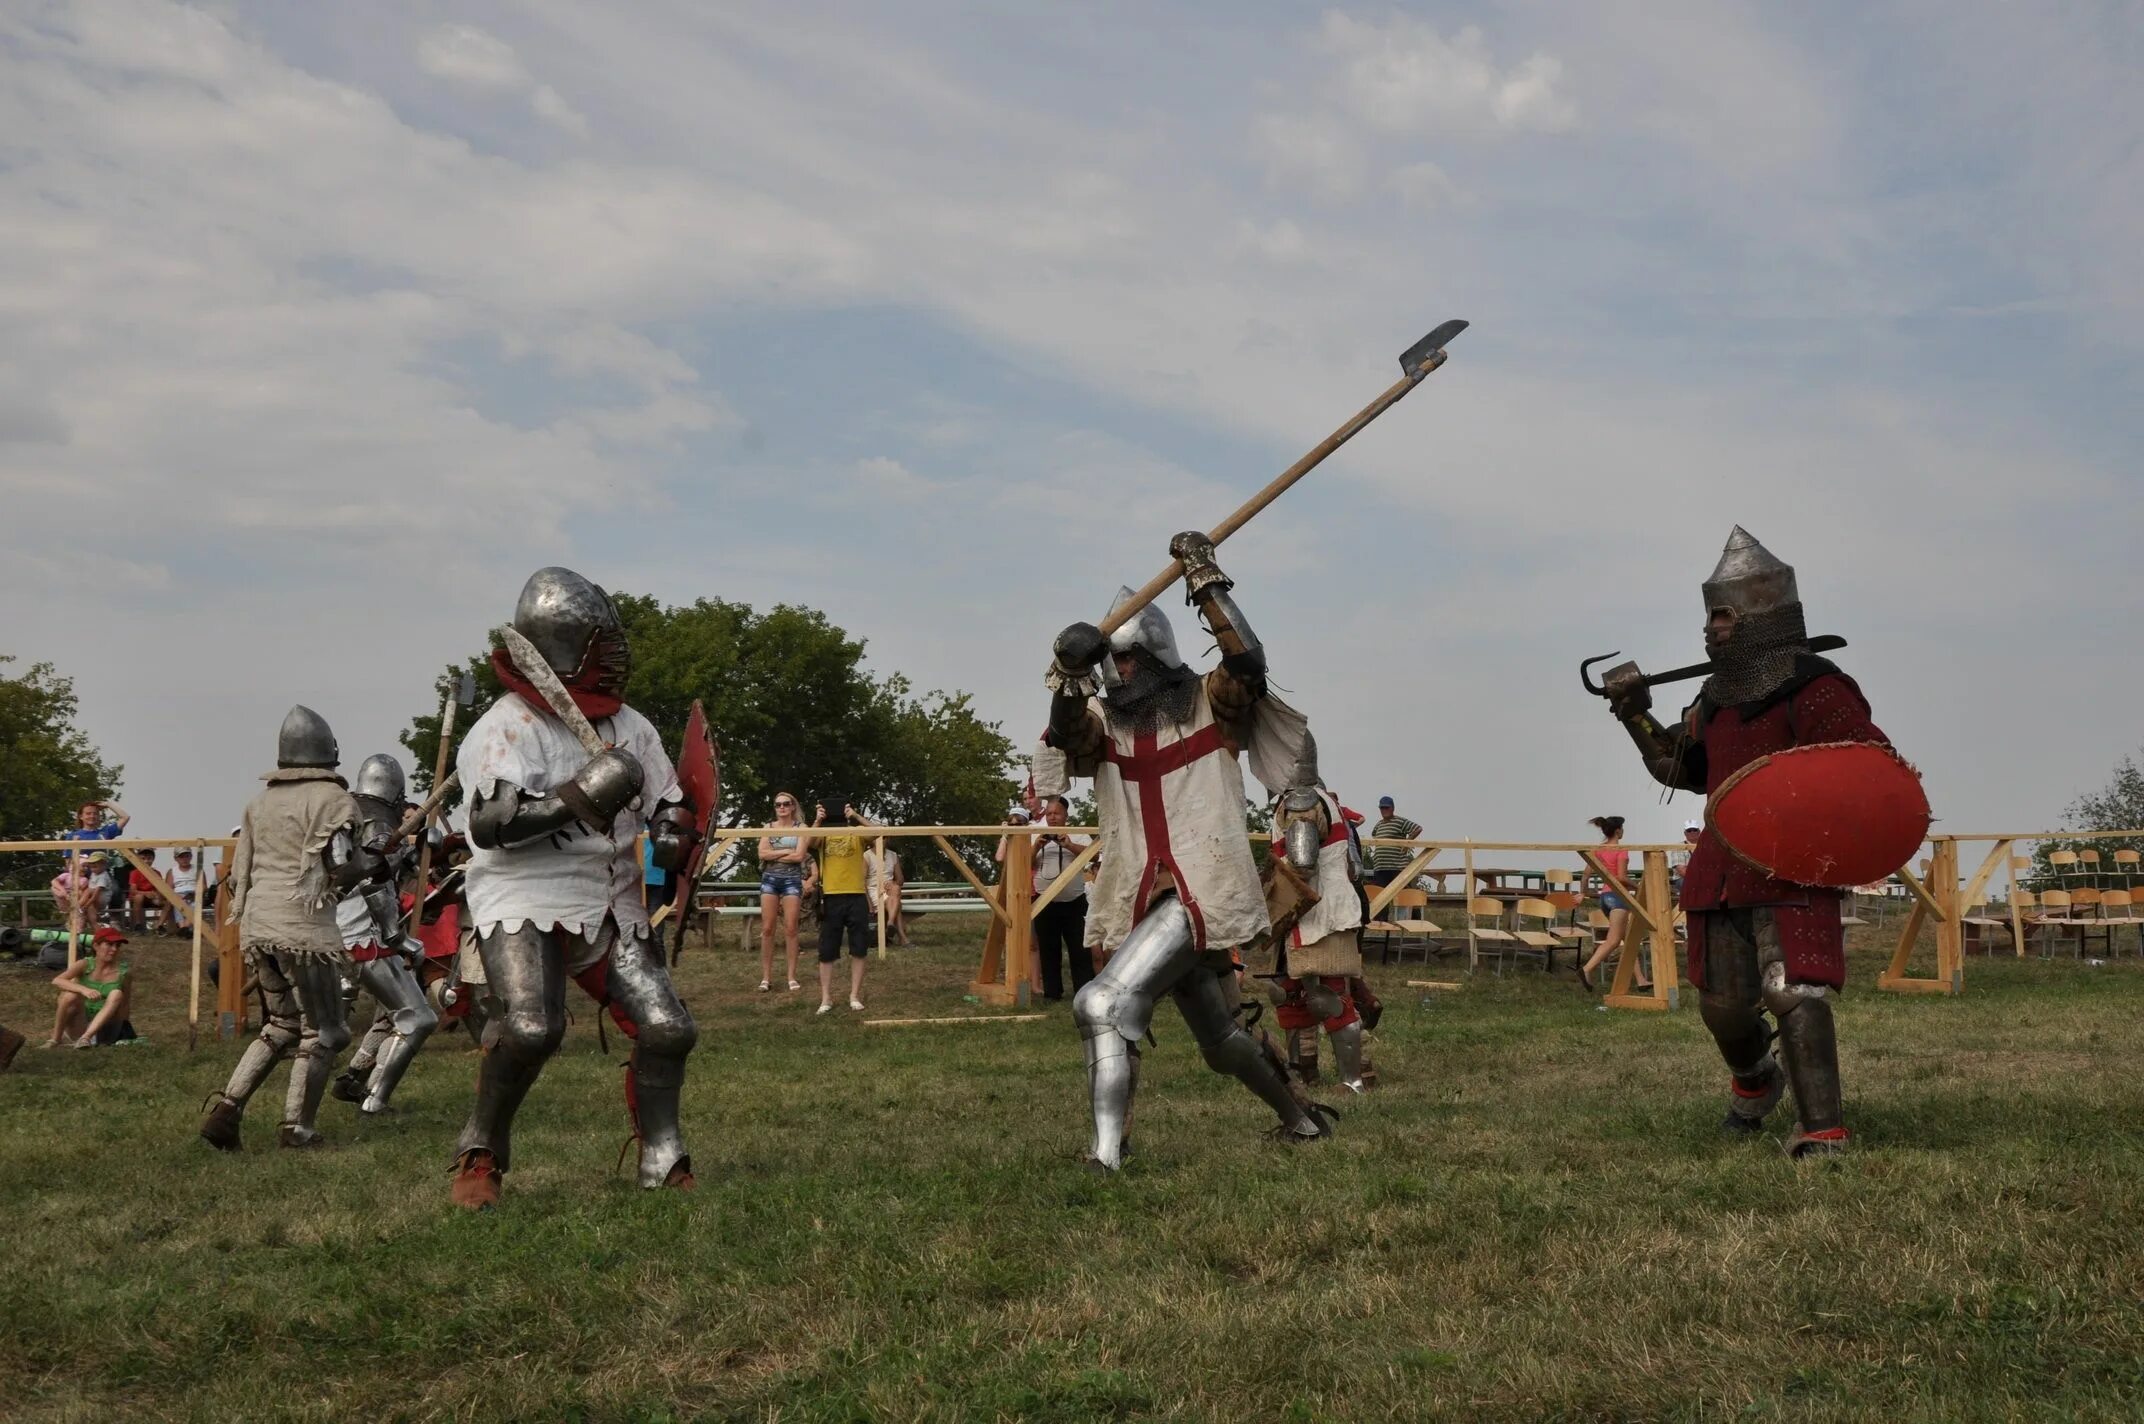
1060 935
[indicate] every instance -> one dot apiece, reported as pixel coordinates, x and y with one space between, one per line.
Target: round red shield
1836 814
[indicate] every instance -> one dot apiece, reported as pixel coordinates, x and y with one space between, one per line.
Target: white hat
1693 825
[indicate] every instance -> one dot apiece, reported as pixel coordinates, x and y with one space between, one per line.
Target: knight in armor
300 850
1758 944
1313 960
1178 891
376 933
553 882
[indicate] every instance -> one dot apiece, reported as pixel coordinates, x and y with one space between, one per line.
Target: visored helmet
380 777
1149 631
306 740
574 624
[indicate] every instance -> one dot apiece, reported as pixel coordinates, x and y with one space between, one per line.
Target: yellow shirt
841 865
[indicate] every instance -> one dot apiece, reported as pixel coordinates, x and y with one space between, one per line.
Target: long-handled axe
1824 644
1416 362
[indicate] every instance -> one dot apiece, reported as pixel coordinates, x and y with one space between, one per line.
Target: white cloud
884 477
1313 153
466 55
1402 76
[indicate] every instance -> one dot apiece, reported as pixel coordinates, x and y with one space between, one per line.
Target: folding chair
2117 910
2063 865
1978 922
1491 934
2084 909
2129 865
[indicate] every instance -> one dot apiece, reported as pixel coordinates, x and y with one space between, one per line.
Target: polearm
1416 362
461 694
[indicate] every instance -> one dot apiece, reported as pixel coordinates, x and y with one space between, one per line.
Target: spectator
97 821
781 889
1616 861
94 997
885 882
141 893
1387 861
1679 860
1061 924
657 888
78 890
843 906
186 884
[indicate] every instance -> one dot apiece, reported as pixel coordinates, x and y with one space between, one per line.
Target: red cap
107 935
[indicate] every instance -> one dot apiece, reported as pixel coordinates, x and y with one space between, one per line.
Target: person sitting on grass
94 997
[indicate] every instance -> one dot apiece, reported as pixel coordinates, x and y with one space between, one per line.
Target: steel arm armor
1674 758
512 816
350 864
671 833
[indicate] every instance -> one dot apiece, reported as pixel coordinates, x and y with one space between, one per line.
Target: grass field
1533 1220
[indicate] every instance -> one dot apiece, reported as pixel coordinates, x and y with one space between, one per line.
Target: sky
322 326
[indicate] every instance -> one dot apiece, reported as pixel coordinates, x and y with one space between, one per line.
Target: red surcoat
1827 708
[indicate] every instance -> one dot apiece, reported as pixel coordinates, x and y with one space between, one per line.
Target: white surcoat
575 878
1171 808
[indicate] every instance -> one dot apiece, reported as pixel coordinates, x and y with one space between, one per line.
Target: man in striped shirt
1387 861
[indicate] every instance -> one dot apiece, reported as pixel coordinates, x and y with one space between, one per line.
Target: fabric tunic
1323 940
1820 705
1171 808
279 886
575 877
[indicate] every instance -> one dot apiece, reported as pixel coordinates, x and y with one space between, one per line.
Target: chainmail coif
1758 658
1153 697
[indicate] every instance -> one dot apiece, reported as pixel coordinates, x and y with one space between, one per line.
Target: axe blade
1412 359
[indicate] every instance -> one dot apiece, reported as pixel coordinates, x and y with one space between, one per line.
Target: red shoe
476 1180
680 1178
1824 1142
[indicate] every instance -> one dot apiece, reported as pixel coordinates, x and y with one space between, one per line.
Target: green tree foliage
47 767
793 709
2117 806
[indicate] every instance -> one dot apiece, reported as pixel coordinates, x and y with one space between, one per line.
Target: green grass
1532 1220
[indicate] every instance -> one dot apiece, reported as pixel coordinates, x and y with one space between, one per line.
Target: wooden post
1658 918
1926 906
1018 887
74 907
1466 908
884 882
1950 929
193 993
2017 919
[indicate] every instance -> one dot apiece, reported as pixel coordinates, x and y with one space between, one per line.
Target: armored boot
1752 1096
1807 1042
349 1084
1112 1076
652 1089
379 1086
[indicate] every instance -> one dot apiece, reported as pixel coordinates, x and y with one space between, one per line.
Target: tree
794 709
2117 806
48 768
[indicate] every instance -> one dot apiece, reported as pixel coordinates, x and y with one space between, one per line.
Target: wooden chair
2055 919
2084 910
2117 910
2129 865
1545 940
1410 918
2062 864
1500 940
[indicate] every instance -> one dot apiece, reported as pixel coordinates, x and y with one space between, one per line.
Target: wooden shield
699 775
1288 895
1836 814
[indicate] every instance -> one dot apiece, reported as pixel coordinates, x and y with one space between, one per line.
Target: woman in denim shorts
781 889
1616 861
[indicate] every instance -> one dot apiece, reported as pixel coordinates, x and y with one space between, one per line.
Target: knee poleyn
668 1038
530 1035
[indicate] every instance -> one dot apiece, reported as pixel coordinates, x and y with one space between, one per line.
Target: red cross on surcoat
1144 767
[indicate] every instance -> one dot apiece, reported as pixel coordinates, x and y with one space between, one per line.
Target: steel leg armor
325 1033
1745 973
526 971
409 1018
1230 1049
278 1036
663 1034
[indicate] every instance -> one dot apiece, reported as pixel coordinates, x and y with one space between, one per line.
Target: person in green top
94 995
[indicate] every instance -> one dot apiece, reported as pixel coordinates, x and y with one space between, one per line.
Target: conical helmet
380 777
1749 579
1150 630
306 740
573 623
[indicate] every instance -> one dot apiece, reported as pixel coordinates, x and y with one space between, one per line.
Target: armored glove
1628 696
1195 552
601 789
1079 648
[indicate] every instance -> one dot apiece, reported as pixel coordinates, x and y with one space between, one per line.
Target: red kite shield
699 776
1835 814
